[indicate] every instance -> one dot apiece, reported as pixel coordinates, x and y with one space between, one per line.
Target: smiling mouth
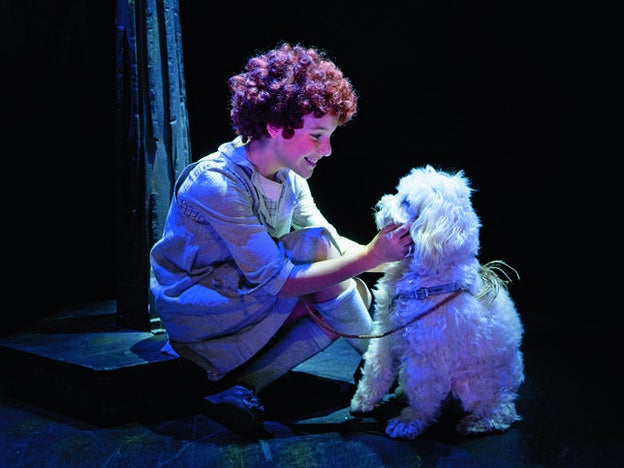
309 161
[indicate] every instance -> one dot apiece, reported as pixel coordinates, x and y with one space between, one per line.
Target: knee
311 244
325 246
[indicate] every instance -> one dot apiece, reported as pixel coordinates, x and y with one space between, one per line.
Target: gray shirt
219 265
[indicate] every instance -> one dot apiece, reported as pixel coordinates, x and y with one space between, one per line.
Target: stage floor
570 405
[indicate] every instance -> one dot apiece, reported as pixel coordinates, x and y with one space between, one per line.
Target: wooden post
152 143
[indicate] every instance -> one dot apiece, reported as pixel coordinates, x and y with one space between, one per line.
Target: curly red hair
282 85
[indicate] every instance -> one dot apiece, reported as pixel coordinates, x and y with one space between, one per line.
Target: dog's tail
495 278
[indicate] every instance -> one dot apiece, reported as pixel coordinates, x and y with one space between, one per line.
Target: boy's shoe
237 408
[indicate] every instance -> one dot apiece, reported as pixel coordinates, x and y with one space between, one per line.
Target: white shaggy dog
467 348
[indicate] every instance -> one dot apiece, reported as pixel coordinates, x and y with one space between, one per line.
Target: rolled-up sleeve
225 200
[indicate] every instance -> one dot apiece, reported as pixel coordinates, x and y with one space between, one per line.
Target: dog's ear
447 226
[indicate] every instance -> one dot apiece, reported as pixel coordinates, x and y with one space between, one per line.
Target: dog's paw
361 405
409 424
471 424
402 428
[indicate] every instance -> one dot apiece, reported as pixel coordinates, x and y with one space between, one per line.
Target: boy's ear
273 131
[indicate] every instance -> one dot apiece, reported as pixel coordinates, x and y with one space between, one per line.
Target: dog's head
444 224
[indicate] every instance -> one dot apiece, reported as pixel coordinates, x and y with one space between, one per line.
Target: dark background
58 142
444 83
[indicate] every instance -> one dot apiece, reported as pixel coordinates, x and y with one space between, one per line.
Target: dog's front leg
377 376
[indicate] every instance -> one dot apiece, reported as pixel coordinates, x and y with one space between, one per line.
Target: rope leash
313 313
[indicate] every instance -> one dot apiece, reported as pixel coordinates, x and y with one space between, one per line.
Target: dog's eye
405 205
409 210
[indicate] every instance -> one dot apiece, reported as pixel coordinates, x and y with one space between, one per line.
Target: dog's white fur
469 348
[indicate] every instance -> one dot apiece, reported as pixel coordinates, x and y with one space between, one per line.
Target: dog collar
423 293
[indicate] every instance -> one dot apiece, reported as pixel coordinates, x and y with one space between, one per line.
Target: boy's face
308 145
